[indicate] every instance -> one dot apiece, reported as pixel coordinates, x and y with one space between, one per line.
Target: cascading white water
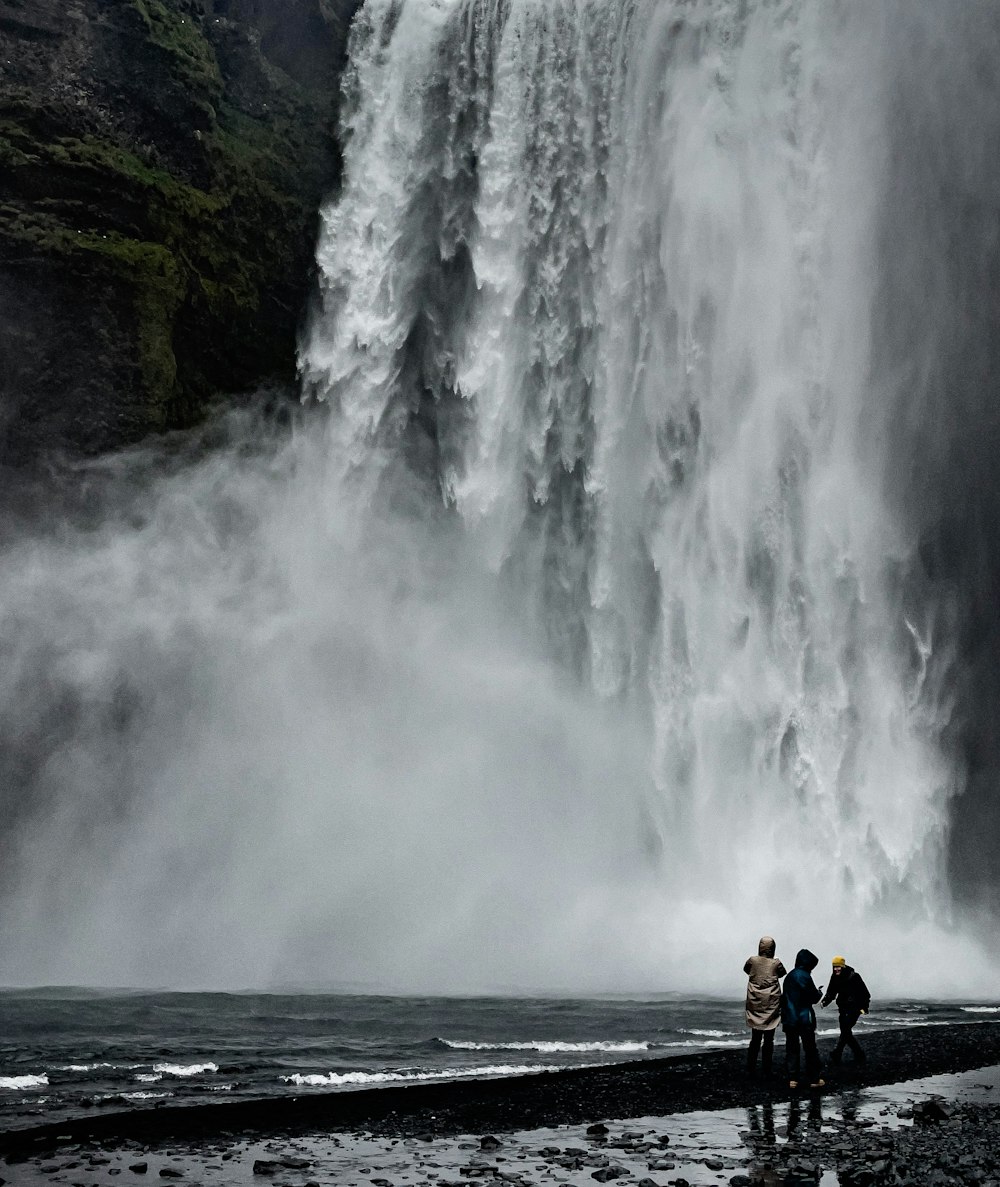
664 353
585 640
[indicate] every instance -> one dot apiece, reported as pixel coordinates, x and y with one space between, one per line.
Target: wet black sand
642 1088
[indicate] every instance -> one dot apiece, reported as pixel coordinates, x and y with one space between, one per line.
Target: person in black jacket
799 1020
853 1000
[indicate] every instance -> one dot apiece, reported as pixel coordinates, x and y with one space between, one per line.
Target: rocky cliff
162 163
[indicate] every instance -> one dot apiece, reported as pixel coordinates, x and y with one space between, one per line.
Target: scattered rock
931 1110
489 1142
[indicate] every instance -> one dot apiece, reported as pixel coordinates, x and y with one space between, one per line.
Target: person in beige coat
763 1004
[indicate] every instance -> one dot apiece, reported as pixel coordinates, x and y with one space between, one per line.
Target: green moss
214 251
10 154
148 273
157 281
179 35
109 164
206 234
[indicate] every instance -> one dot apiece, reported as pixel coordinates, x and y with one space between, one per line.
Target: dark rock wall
162 163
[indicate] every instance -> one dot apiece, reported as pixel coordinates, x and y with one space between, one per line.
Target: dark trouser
847 1039
756 1038
807 1037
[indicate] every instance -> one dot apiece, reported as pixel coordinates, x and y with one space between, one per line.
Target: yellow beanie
838 962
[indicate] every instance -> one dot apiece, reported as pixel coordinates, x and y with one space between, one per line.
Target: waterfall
617 264
592 629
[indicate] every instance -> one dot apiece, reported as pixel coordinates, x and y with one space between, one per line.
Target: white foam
702 1044
185 1069
96 1067
335 1079
890 1021
550 1047
981 1009
709 1034
149 1077
18 1083
145 1095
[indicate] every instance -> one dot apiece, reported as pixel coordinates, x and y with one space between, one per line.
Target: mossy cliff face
162 163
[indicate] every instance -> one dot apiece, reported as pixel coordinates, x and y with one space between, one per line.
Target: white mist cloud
271 714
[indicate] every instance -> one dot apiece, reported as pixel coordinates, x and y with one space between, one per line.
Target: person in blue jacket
798 1019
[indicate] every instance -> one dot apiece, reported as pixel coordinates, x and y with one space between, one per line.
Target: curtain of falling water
592 632
615 265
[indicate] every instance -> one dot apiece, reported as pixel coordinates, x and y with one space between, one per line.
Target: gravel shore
664 1123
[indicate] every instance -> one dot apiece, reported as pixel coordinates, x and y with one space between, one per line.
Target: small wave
703 1044
19 1083
546 1047
334 1079
980 1009
96 1067
145 1095
710 1034
149 1077
184 1069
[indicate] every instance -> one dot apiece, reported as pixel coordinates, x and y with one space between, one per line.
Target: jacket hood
766 946
806 960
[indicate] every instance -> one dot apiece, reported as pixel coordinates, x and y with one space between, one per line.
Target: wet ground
855 1136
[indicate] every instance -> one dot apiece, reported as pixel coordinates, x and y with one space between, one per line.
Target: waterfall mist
612 600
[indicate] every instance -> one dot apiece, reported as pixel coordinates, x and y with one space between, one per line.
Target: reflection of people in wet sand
850 1101
760 1119
761 1142
763 1004
764 1140
814 1116
799 1019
